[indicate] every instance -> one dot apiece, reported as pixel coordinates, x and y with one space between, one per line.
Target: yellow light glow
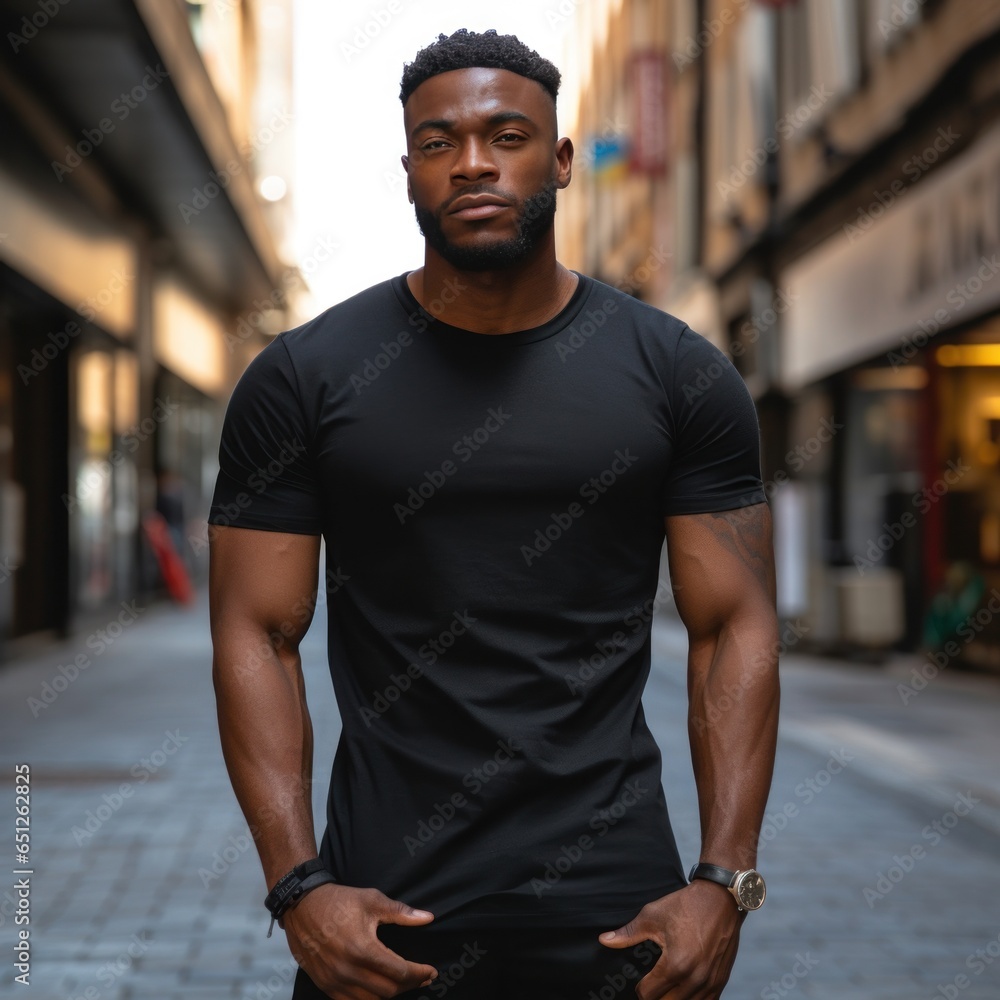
877 379
968 355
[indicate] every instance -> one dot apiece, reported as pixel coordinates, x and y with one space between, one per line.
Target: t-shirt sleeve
716 458
266 477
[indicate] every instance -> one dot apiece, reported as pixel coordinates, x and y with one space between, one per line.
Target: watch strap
713 873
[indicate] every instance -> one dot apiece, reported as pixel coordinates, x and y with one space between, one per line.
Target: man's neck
501 301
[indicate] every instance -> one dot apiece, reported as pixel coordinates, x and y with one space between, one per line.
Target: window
820 58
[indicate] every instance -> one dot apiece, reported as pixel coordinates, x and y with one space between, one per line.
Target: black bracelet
294 884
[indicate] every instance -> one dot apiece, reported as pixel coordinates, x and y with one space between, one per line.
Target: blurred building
143 249
830 212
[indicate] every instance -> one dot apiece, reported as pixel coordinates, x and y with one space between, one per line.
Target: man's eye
510 135
433 143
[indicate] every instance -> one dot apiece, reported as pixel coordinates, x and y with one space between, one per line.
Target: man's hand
331 932
698 931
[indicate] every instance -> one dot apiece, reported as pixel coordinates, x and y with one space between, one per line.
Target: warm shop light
887 379
968 355
273 188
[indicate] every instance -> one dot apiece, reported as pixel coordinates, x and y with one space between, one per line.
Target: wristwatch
747 886
293 885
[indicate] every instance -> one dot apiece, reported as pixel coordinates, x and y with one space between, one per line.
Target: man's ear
405 160
564 162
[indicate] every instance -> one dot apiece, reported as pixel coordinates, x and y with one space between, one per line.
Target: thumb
624 936
399 912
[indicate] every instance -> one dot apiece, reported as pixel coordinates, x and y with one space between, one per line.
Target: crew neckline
457 334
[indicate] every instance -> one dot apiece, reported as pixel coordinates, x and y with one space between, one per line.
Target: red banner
649 101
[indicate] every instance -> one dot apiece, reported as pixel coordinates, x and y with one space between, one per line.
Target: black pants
522 963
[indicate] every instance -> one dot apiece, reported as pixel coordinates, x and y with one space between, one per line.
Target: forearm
267 743
732 725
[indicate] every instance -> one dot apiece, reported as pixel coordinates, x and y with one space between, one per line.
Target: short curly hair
465 49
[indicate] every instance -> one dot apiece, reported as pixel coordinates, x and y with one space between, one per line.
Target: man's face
483 165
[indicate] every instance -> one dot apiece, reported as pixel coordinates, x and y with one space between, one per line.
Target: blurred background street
813 185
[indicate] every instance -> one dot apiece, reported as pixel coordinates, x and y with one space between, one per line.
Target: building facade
141 267
831 212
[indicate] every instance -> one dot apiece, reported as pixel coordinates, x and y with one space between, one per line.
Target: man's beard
535 220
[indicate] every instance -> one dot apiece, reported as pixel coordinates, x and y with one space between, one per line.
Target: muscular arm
723 564
722 569
262 592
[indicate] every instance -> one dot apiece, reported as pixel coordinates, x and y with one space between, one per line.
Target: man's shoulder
363 310
636 309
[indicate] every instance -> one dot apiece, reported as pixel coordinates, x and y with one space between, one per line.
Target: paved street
881 845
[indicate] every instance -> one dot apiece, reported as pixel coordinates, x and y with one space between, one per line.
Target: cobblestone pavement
880 845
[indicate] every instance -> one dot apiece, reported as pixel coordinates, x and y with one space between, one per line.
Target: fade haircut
466 49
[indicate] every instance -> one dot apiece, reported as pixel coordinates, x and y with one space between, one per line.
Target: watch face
750 890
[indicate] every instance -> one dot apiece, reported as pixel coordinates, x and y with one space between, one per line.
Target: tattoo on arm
746 532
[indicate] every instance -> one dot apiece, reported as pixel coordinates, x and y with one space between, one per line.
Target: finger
383 961
633 932
357 981
660 983
394 911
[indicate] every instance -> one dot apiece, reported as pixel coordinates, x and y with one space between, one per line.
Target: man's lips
478 207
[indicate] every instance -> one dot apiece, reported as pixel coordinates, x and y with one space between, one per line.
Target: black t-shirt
493 509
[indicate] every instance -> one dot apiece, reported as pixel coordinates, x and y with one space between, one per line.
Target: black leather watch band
713 873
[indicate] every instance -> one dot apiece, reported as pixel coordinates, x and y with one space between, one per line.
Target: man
493 447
